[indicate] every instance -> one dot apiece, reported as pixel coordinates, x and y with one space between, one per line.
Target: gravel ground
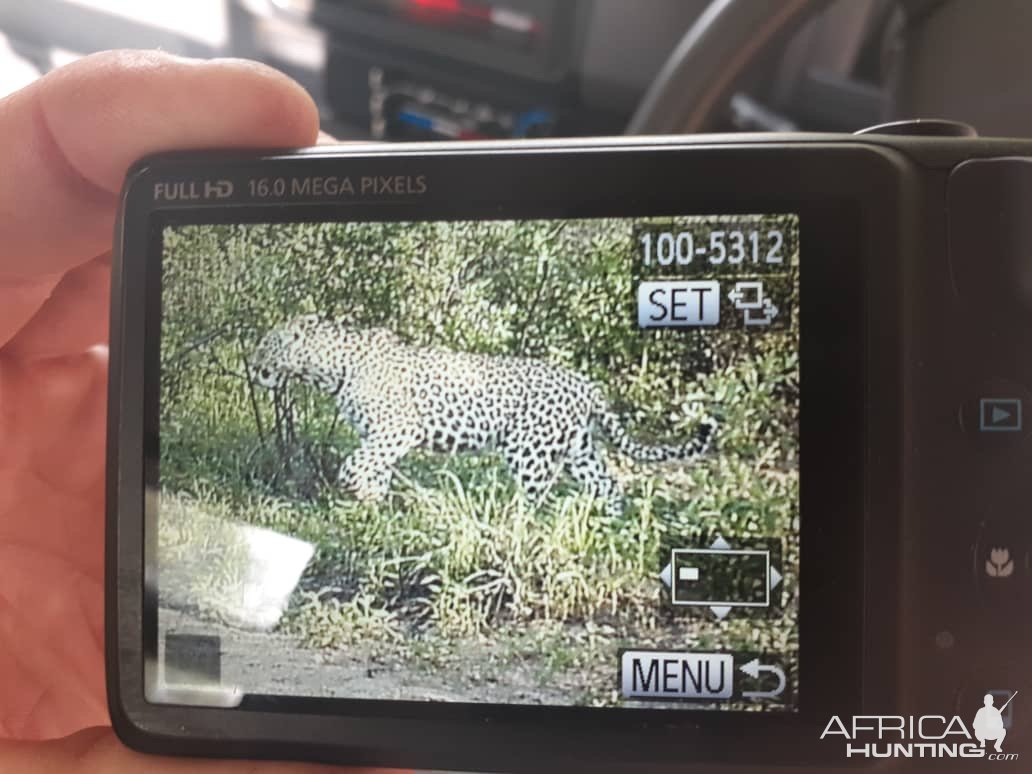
276 663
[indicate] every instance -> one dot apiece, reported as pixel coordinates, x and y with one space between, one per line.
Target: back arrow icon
753 669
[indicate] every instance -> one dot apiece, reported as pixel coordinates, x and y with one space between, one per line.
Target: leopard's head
283 351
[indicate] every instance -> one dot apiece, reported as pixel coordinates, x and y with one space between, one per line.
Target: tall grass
456 550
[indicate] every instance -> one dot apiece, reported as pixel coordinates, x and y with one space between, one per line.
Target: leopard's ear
301 325
383 337
305 321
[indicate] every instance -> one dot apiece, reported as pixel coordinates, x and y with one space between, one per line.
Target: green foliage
455 549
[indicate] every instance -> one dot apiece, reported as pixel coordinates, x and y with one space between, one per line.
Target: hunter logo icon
928 736
999 564
988 722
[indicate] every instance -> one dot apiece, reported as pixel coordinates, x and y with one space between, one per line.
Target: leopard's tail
610 424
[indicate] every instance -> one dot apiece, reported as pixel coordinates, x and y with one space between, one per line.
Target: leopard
545 419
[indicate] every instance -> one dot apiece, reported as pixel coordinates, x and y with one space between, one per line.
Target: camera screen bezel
848 237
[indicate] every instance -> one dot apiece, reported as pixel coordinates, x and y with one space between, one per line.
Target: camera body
898 575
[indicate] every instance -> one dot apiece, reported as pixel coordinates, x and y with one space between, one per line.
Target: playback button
997 413
1000 415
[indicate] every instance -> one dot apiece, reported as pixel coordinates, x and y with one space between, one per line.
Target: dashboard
468 69
511 69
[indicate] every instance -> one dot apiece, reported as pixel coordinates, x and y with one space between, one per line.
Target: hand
65 144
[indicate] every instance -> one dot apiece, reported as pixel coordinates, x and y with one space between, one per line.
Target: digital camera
629 454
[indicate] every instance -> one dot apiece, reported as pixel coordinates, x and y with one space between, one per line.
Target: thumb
98 751
73 134
75 131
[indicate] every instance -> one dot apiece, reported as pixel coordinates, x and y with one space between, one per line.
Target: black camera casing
915 305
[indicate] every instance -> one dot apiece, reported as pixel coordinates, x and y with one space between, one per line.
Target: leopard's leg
367 472
586 466
534 465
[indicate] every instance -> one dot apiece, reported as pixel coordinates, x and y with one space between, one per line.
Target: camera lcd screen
534 462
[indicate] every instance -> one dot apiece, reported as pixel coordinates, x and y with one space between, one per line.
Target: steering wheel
691 92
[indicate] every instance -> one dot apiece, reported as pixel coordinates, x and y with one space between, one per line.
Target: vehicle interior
466 69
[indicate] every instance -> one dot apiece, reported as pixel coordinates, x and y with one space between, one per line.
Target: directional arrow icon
1000 414
770 311
754 668
720 611
720 577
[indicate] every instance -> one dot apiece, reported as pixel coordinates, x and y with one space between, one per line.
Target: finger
97 751
74 317
79 128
